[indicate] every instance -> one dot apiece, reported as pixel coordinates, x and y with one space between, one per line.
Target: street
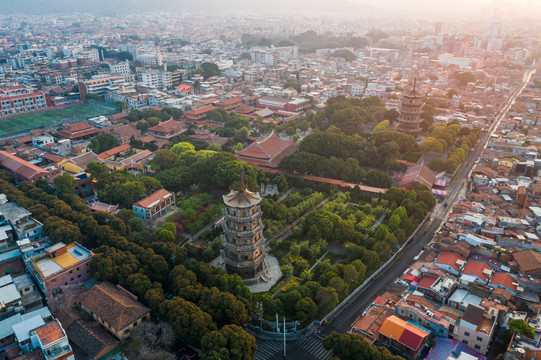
349 313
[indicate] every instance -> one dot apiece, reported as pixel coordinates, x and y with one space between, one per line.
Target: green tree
208 69
517 326
103 143
59 230
381 126
305 310
355 347
229 343
182 147
187 319
394 222
151 183
163 160
65 183
121 106
378 178
164 235
345 54
224 307
327 299
92 97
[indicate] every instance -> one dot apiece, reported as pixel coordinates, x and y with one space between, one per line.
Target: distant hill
118 7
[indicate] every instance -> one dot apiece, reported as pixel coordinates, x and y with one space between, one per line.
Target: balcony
243 264
58 352
241 219
241 233
249 247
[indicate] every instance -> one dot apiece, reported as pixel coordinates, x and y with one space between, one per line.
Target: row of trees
467 140
164 114
208 301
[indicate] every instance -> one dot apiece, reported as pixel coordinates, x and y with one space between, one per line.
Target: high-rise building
495 30
243 240
438 28
411 108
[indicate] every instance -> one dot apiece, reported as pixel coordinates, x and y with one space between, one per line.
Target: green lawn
22 123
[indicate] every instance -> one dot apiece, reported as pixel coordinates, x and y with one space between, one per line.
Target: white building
122 68
465 63
42 141
157 79
150 59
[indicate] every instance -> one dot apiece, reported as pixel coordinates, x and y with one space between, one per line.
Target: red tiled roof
114 151
77 127
147 139
126 131
403 332
528 261
448 258
52 157
166 126
229 101
115 305
426 282
476 268
504 279
135 160
21 167
50 332
153 198
271 150
70 135
201 110
420 173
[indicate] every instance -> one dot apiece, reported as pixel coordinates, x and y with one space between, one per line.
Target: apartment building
122 68
20 99
61 265
99 84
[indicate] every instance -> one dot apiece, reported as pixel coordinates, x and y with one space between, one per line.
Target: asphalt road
351 311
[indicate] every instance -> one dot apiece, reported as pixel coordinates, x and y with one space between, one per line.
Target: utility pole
285 356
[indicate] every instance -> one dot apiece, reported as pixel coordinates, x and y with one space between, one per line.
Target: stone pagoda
411 108
243 241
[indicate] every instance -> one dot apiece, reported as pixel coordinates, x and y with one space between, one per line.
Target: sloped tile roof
113 304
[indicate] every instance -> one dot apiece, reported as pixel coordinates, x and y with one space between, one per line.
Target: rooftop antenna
242 179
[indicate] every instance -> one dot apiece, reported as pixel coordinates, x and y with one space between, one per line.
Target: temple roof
242 199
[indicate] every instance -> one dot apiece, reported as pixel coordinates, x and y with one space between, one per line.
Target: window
479 338
79 276
465 342
66 283
71 271
477 347
466 333
72 279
